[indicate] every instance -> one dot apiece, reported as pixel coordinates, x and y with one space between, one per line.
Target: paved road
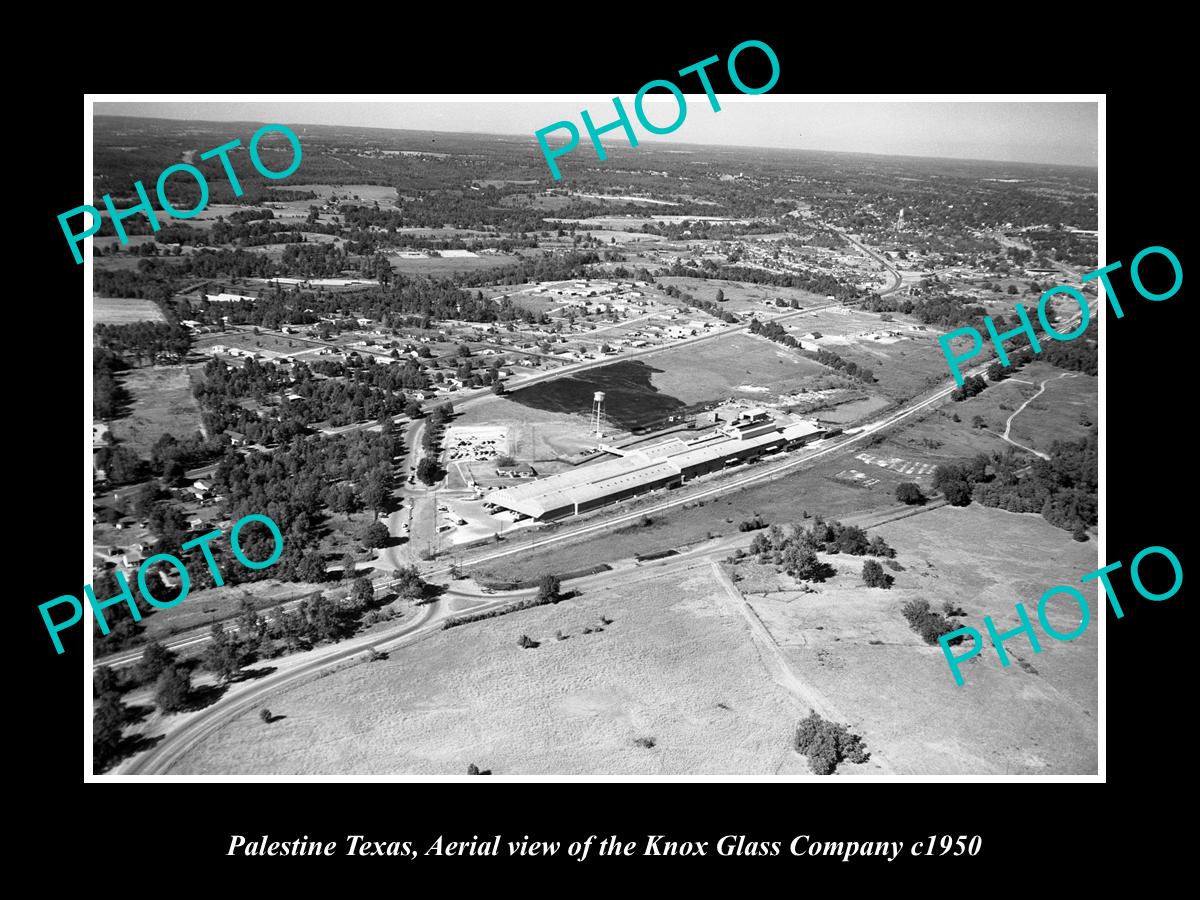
879 259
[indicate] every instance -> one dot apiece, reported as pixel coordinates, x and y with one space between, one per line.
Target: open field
264 340
1060 413
745 298
737 366
124 310
674 665
162 404
1038 716
903 359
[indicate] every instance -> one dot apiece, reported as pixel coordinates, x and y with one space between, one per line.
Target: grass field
1059 413
903 366
736 366
1064 412
162 404
1038 716
264 340
744 298
673 666
124 310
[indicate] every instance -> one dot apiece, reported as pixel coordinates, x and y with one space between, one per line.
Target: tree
376 535
155 660
802 564
375 492
720 296
827 744
428 471
548 589
958 493
1012 289
410 584
348 567
265 715
311 567
251 626
362 593
525 642
978 422
107 720
144 500
412 409
910 492
173 689
498 387
874 576
105 681
223 656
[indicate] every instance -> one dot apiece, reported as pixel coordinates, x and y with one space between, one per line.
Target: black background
1029 830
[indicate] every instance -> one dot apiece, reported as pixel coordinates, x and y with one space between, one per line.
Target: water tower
598 413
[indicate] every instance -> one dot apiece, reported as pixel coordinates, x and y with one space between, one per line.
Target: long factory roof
646 467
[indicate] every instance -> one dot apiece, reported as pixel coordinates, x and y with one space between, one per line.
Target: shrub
874 576
929 624
827 744
910 492
548 589
646 742
265 715
526 642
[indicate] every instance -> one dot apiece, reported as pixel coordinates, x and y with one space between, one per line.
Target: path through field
1008 424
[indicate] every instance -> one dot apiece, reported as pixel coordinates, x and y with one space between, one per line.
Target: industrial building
668 463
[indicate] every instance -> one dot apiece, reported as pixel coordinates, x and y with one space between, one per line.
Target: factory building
668 463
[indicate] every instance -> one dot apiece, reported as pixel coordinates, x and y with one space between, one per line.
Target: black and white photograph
442 437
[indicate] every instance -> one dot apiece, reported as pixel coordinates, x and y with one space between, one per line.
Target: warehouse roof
645 467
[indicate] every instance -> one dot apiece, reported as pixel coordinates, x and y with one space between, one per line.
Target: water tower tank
598 397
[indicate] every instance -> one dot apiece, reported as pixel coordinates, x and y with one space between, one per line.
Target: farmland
742 365
124 310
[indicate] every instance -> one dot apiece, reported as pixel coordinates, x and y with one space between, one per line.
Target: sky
1023 131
